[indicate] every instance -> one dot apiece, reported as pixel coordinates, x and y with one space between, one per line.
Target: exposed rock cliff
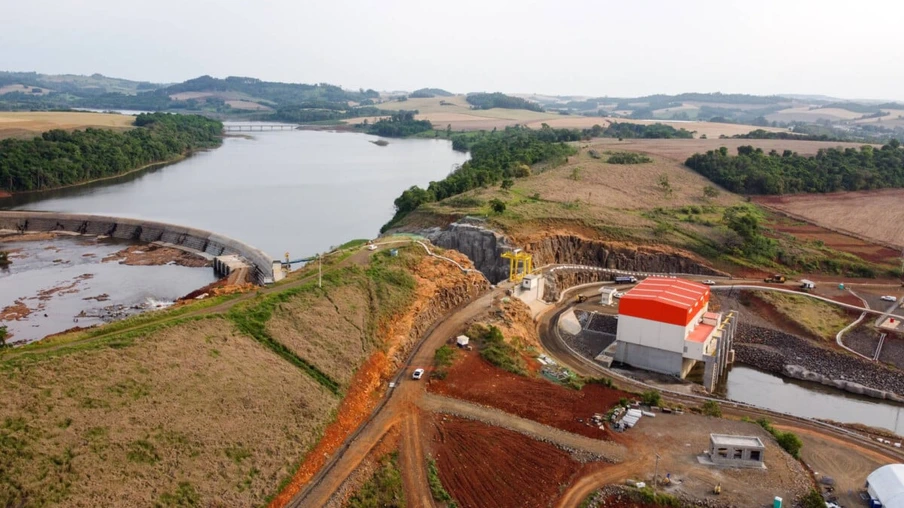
482 246
485 247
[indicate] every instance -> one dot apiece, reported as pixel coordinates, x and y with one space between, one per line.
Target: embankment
788 355
143 231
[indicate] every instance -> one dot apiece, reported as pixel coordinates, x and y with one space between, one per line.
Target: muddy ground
155 255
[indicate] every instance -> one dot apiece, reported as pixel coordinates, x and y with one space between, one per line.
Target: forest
831 170
399 125
634 130
58 158
495 156
500 100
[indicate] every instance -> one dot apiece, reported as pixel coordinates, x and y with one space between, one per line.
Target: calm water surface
811 400
295 191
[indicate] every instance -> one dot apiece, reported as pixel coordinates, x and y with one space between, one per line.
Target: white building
886 485
664 325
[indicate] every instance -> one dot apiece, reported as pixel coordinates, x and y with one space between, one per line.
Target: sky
576 47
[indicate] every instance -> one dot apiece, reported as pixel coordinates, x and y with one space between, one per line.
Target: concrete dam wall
266 270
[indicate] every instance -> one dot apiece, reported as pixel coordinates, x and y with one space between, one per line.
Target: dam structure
263 268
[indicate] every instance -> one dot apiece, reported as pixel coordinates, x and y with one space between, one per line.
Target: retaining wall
143 231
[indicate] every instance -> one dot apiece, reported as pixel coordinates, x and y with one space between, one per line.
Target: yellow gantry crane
520 264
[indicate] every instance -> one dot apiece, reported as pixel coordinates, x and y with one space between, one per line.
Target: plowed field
475 380
487 466
873 215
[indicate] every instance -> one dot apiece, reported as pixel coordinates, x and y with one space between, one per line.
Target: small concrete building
664 325
607 295
886 486
736 451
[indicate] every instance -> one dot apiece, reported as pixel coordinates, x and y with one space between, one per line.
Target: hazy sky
580 47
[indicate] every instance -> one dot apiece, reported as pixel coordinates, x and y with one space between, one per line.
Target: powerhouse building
665 326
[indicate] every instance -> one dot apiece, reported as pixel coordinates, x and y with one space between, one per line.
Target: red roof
700 333
673 301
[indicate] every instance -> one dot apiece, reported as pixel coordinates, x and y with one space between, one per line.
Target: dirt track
538 431
398 408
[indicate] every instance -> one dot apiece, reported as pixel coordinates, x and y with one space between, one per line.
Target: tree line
495 156
752 171
399 125
58 158
500 100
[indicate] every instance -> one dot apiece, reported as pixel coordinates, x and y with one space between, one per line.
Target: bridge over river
259 127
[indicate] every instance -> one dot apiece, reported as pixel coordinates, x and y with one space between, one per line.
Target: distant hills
251 98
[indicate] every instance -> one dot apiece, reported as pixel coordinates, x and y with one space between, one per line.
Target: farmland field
26 124
458 113
874 215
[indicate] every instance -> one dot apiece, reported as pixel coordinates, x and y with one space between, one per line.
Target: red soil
535 398
481 465
868 251
362 397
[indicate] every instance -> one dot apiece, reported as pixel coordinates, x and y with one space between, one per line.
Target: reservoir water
295 191
286 191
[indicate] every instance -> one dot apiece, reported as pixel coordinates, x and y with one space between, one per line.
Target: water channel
812 400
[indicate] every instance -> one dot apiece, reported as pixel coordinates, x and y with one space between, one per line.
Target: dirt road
400 405
439 404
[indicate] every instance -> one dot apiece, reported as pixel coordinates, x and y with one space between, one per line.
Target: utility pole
656 474
319 271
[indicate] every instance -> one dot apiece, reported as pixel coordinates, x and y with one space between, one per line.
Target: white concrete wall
651 334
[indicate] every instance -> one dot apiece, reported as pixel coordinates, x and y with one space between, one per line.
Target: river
286 191
812 400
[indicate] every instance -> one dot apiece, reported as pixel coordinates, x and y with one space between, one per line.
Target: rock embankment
792 356
482 246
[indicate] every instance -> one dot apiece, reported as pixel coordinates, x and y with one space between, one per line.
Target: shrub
628 158
443 356
651 398
436 486
384 488
787 440
712 408
496 351
813 499
498 206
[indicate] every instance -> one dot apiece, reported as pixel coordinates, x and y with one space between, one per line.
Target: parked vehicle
418 373
372 246
626 280
618 294
889 298
777 278
709 282
807 284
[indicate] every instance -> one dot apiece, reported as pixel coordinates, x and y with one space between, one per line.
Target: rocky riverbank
788 355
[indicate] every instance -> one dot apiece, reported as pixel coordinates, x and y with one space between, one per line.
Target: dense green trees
834 169
634 130
399 125
500 100
60 158
494 156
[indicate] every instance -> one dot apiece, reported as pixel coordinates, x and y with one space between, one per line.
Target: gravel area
771 350
862 339
893 350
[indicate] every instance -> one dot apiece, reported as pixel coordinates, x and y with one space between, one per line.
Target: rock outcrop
484 248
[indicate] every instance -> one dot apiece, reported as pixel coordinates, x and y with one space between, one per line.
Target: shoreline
6 194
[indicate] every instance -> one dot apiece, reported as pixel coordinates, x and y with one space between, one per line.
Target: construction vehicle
777 279
717 489
581 298
626 280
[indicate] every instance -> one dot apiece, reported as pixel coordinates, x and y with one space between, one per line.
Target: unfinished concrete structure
736 451
664 325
